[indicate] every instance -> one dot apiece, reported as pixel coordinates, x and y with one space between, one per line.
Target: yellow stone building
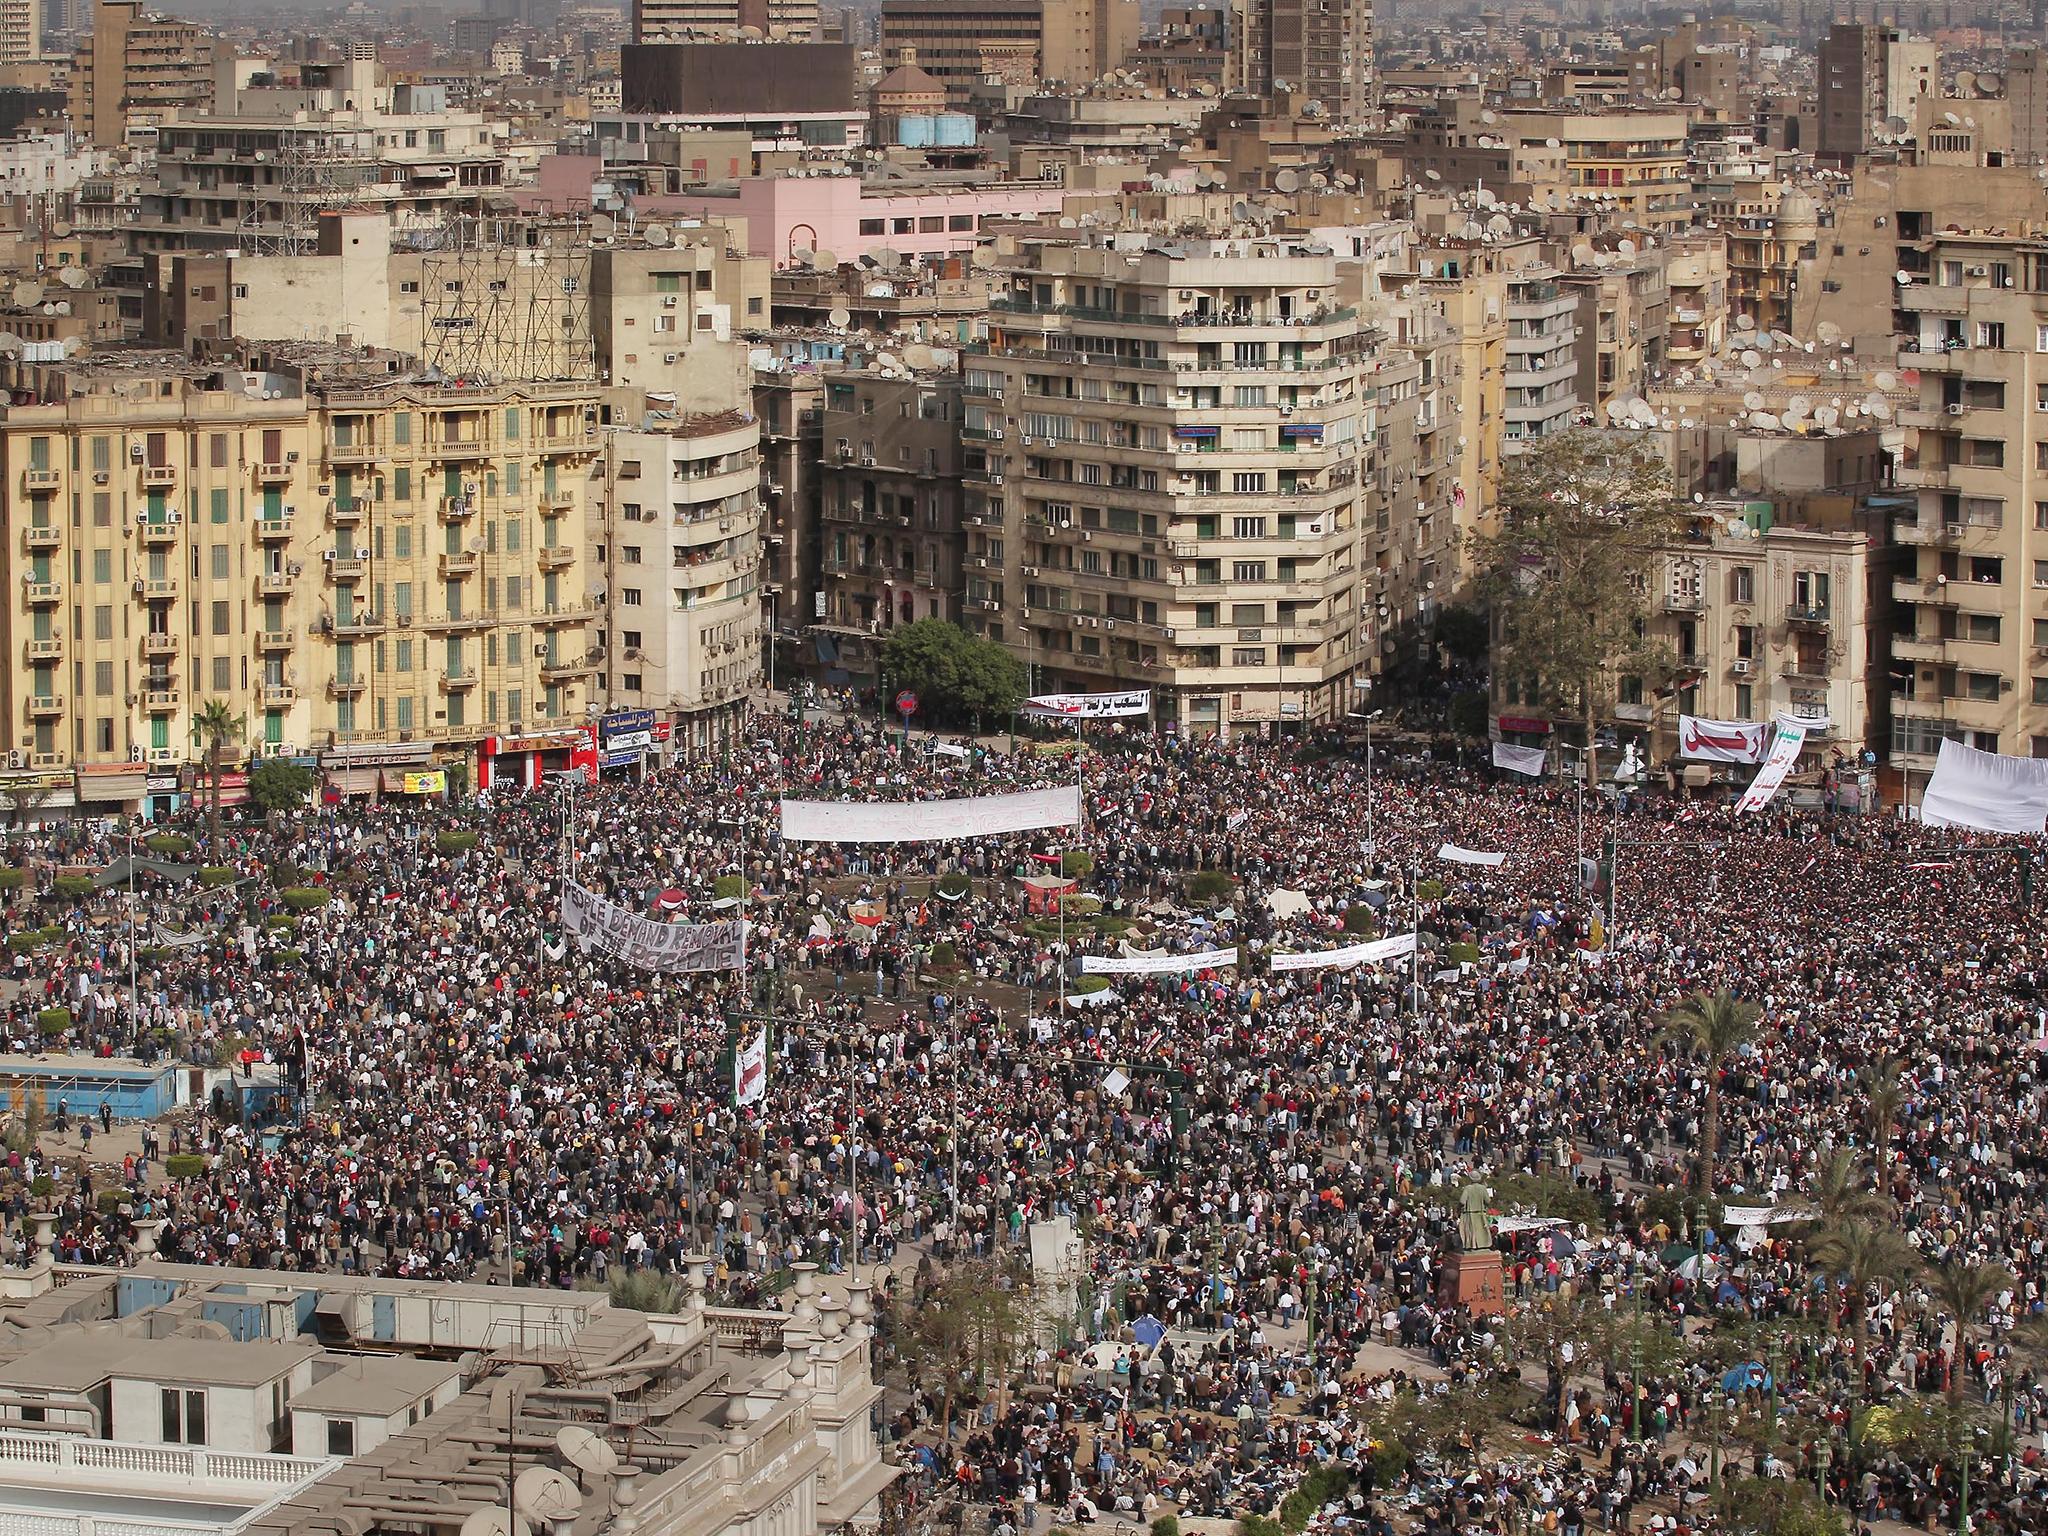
372 568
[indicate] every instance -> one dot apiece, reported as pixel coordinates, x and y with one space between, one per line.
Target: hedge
42 1186
1317 1489
307 898
944 954
72 887
111 1200
1430 890
1088 984
216 874
1080 906
280 920
1464 954
1077 863
726 886
168 843
1360 919
53 1021
186 1165
452 843
954 885
10 879
1113 927
1210 885
22 943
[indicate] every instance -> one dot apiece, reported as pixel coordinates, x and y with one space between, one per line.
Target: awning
1195 434
354 781
1524 725
1301 429
119 781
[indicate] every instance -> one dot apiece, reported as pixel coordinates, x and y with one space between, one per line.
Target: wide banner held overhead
1527 760
1157 964
1372 952
1787 740
1986 791
929 821
1721 741
599 924
1090 706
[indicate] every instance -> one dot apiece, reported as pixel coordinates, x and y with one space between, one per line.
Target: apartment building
1166 451
1632 160
1541 351
789 401
1318 50
1696 287
21 31
1971 662
1019 41
1868 75
888 507
1621 324
136 71
678 528
366 565
675 21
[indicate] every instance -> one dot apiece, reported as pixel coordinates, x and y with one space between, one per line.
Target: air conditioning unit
668 301
1953 410
177 517
669 357
362 554
1740 667
17 759
1171 634
1952 530
327 555
138 586
135 453
99 477
1977 271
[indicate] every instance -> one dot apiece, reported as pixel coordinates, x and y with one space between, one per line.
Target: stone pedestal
1474 1279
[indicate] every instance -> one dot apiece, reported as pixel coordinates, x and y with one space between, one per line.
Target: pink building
840 214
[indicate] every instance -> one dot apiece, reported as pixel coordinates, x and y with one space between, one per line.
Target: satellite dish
1881 409
917 355
1287 181
1434 175
585 1450
1626 247
491 1520
544 1496
1885 380
1966 81
984 256
1790 420
1752 359
601 224
28 293
73 277
889 256
1829 332
1745 323
824 259
1552 144
1753 400
1488 118
657 235
1316 180
839 317
1989 84
1951 119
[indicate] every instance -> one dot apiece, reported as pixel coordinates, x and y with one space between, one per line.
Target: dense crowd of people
1273 1173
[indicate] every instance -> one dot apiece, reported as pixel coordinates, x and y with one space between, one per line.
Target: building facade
136 71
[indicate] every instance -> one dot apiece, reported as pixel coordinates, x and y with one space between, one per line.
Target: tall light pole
1368 719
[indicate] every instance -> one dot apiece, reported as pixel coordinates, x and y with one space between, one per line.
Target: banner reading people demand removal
596 923
925 821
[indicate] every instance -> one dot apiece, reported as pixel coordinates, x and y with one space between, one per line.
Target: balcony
160 701
459 623
273 474
350 569
456 451
46 538
346 687
159 477
358 625
274 530
562 671
555 615
1807 673
455 509
45 706
554 557
582 440
1919 648
40 482
274 583
557 503
277 695
275 639
453 566
159 642
459 682
1808 616
160 589
51 649
353 453
42 594
1684 602
345 510
158 531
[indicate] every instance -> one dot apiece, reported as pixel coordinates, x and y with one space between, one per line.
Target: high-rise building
136 71
960 42
1320 49
363 563
675 21
1166 462
21 31
1869 75
1542 356
1972 661
2026 94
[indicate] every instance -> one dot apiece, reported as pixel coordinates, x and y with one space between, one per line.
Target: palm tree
1861 1252
1714 1026
1841 1192
213 728
1884 1095
1965 1292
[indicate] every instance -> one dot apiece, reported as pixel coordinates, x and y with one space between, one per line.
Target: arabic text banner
925 821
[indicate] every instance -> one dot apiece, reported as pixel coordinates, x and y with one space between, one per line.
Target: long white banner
1090 706
1451 853
1157 964
1721 741
596 923
1370 953
1528 760
922 821
1986 791
1786 741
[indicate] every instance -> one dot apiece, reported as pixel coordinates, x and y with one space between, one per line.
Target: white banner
1370 953
922 821
1529 760
1986 791
1157 963
597 923
1786 741
1721 741
750 1071
1451 853
1090 706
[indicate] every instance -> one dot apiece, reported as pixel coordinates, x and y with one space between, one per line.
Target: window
102 566
1248 570
184 1416
1745 642
1248 482
220 618
220 562
223 674
1249 395
1981 686
1248 656
630 554
1745 704
1981 627
875 227
630 596
1247 527
103 678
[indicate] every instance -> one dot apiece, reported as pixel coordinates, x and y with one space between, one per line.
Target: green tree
1713 1027
1884 1095
214 728
1566 568
277 786
969 1329
1965 1292
1861 1253
1841 1191
1461 630
953 673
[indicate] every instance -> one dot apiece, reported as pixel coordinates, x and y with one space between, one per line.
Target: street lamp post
1368 719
